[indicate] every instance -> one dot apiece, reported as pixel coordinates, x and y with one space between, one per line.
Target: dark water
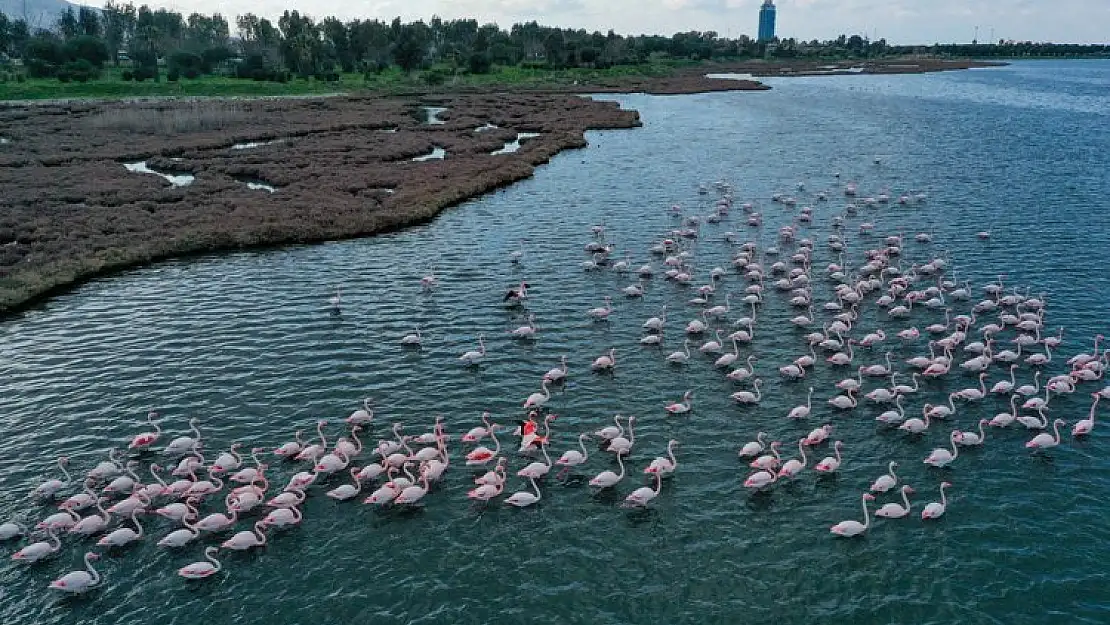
245 343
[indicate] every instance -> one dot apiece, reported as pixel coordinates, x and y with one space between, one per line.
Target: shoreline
358 156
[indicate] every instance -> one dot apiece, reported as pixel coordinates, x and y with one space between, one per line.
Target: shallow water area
177 180
437 154
486 127
431 115
250 145
514 146
731 76
247 342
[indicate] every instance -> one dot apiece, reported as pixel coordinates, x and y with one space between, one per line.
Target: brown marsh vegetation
342 167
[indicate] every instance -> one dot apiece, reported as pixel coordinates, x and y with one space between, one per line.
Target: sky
898 21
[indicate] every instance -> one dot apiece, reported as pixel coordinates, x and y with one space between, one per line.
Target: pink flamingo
39 550
941 457
855 528
896 511
483 454
313 452
643 495
523 498
830 464
769 461
608 479
485 492
244 540
478 433
1047 441
365 415
201 570
801 412
681 407
664 466
936 510
605 363
50 488
818 435
291 449
573 457
282 517
79 581
143 441
885 482
793 466
1084 426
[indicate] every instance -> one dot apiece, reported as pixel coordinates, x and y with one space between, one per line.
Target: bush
127 75
63 76
435 77
172 75
80 70
143 72
480 63
191 73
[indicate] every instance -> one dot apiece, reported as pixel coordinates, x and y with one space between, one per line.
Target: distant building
767 21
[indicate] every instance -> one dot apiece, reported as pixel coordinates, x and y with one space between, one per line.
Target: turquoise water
245 343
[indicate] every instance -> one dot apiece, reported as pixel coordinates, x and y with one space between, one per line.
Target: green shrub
172 75
127 76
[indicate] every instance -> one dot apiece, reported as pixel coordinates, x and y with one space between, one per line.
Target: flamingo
282 517
1084 426
1028 390
740 374
183 444
485 492
537 470
895 511
527 332
363 416
1039 422
608 479
478 433
226 461
93 523
557 374
313 452
124 535
936 510
941 457
747 397
415 339
801 412
819 435
885 482
661 465
181 537
830 464
972 438
712 347
793 466
496 476
605 363
621 445
291 449
482 455
1003 419
201 570
538 400
217 521
411 495
474 357
753 448
974 394
610 432
77 582
50 488
893 416
855 528
39 550
680 358
244 540
602 313
1046 441
844 402
681 407
879 370
522 499
643 495
762 479
573 457
768 461
11 530
1005 386
726 360
143 441
655 324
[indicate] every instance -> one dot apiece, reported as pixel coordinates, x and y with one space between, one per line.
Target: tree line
83 41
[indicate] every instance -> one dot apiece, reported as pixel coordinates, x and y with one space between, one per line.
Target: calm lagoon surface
245 343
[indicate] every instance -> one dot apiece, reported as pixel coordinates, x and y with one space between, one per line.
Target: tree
88 22
89 49
67 24
118 26
409 48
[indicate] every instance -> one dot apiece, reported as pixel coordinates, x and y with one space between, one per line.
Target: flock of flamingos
1001 337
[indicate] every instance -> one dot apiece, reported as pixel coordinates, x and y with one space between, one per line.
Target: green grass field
110 85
